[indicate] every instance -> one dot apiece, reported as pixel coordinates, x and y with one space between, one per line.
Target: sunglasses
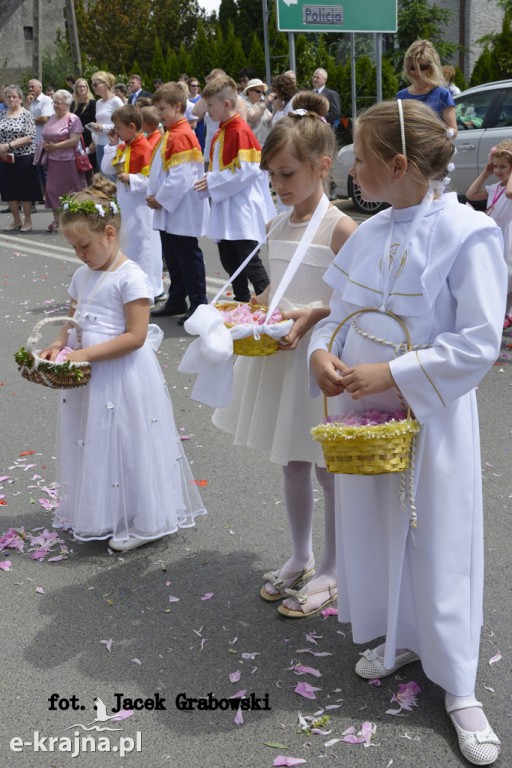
260 92
98 82
194 85
423 67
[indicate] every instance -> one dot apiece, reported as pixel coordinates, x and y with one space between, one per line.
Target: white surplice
422 590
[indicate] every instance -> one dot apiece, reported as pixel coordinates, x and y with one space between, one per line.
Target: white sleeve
224 184
178 181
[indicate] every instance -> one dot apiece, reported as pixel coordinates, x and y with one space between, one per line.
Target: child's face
502 169
294 181
126 133
369 175
219 109
168 113
97 250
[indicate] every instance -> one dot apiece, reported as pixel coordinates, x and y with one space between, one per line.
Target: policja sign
347 16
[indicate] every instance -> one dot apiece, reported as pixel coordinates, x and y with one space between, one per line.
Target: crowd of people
403 552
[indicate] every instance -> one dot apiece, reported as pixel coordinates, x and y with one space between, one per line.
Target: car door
476 117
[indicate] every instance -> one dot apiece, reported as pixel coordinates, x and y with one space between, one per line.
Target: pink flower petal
6 565
40 591
234 677
495 659
238 694
376 682
300 669
239 718
329 612
207 596
107 643
173 599
288 761
306 690
122 715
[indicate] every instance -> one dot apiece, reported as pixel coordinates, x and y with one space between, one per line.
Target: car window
504 119
471 109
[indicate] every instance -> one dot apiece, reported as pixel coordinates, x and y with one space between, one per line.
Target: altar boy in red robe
240 200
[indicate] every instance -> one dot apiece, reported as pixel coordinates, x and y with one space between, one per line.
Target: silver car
484 118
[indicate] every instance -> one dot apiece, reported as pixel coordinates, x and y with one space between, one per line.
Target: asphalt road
95 625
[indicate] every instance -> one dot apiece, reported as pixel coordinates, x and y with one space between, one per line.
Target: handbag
40 155
82 161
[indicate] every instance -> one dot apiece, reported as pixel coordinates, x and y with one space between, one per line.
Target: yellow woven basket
249 346
367 450
53 375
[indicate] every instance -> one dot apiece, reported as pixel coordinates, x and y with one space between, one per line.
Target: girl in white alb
437 265
271 409
122 472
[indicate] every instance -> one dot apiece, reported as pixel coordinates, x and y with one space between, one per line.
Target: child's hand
327 370
51 352
153 203
123 177
367 379
201 185
300 327
489 168
78 356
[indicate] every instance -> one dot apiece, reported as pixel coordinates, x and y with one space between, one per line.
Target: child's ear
399 166
324 164
110 232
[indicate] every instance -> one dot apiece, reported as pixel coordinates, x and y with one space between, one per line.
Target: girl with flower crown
499 204
410 560
122 472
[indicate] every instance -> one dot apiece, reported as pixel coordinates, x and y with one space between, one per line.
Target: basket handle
35 336
361 312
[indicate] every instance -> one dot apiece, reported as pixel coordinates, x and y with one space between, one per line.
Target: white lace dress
121 466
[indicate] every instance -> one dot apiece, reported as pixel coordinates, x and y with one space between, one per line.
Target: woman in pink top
61 135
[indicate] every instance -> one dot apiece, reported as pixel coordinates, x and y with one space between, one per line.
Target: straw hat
255 83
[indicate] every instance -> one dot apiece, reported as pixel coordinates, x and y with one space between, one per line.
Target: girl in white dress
499 204
271 409
439 266
122 472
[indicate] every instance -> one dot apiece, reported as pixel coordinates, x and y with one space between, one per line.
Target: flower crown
88 207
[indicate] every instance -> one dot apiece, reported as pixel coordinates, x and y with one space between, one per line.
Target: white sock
470 719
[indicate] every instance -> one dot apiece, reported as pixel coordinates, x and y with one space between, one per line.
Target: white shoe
132 543
371 665
479 747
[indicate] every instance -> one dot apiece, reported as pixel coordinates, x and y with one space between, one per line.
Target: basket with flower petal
55 375
372 444
248 319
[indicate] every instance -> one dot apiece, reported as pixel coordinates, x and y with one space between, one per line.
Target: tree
57 63
418 20
250 23
228 13
158 61
495 61
256 57
203 53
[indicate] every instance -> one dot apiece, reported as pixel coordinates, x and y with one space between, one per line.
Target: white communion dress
271 409
121 467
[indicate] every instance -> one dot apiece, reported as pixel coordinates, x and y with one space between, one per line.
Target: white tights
298 494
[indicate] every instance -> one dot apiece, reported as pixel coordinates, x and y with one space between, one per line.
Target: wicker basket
249 346
54 375
367 450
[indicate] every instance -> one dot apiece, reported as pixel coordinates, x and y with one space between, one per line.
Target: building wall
471 20
17 38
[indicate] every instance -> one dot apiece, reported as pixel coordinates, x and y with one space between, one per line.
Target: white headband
402 126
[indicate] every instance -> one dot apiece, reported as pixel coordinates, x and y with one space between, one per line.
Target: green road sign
345 16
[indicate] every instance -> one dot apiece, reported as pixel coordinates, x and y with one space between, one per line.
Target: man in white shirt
41 109
41 106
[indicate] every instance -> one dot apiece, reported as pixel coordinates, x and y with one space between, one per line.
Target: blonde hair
172 93
107 77
503 150
150 117
221 87
429 148
309 135
423 52
102 191
82 81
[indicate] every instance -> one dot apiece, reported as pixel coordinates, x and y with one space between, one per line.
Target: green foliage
184 60
158 61
495 61
203 54
250 22
228 12
57 63
256 57
418 19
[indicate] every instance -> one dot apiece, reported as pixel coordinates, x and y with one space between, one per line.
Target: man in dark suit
135 86
334 114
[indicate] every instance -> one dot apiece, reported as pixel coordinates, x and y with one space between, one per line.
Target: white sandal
371 665
479 747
